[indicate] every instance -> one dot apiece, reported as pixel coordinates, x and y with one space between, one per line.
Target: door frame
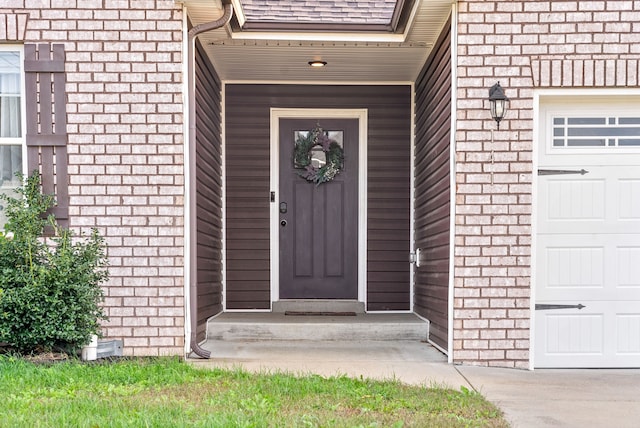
274 185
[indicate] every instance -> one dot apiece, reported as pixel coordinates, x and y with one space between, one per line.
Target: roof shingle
320 11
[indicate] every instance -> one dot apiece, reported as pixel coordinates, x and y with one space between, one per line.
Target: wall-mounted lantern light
498 102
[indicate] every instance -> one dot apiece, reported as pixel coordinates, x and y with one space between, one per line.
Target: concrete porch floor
415 363
378 345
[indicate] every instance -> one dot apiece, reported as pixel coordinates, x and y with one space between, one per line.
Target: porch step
318 305
278 326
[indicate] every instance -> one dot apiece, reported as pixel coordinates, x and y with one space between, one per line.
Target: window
11 120
596 131
318 154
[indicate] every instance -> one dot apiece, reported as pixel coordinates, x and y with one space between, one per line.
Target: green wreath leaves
302 156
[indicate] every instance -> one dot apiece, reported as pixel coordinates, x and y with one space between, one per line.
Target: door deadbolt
283 207
283 223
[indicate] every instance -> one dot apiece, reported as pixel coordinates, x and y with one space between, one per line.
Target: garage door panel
602 201
577 333
629 199
581 337
628 260
576 199
576 267
593 267
628 329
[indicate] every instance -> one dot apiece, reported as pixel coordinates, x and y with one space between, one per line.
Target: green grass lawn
167 392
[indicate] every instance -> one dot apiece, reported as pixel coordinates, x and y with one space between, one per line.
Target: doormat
320 314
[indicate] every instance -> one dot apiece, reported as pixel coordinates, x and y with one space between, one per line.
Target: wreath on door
303 159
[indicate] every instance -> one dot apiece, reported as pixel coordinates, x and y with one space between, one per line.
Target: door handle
283 207
283 223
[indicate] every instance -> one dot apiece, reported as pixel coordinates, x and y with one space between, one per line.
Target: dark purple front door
319 223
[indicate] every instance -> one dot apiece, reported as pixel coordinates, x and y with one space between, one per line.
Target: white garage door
587 291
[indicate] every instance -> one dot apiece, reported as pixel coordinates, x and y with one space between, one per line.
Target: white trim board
283 113
321 82
223 193
188 203
452 178
412 203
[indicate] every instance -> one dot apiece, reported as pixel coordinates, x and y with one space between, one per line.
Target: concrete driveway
536 399
561 397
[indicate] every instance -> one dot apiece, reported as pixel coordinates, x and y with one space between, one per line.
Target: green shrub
50 287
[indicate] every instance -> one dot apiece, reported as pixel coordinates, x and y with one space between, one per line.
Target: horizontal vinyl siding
247 183
389 162
432 189
247 201
208 190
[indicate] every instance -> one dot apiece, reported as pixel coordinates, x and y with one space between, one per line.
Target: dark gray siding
209 190
247 180
432 188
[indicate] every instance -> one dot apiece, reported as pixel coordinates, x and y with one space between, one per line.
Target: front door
318 212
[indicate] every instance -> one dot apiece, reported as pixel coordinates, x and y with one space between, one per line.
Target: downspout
193 236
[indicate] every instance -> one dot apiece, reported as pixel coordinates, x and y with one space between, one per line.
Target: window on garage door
596 131
587 274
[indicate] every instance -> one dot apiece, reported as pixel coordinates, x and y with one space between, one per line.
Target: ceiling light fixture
317 63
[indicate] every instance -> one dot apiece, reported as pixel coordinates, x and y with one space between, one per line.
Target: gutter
193 237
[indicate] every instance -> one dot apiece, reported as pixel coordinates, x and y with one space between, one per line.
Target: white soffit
356 57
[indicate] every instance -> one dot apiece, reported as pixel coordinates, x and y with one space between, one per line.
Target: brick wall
125 125
524 45
124 87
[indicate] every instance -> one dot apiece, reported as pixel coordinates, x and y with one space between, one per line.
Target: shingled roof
319 11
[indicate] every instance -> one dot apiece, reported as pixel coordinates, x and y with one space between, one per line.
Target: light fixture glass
498 103
317 63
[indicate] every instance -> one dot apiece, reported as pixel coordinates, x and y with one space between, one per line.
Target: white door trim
274 216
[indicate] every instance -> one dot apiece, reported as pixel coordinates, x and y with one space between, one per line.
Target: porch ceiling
354 56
